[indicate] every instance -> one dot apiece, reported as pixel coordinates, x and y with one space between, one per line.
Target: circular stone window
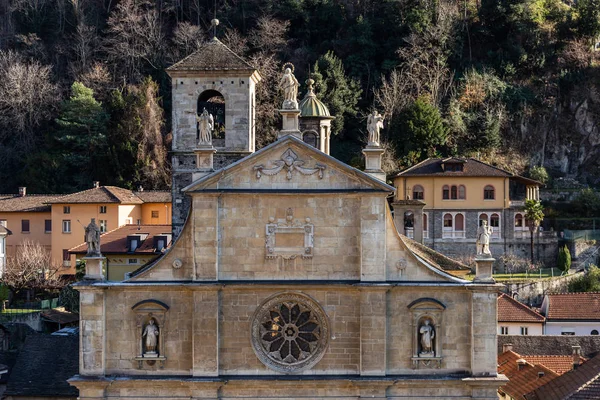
290 332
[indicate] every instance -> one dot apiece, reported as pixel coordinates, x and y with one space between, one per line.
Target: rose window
289 332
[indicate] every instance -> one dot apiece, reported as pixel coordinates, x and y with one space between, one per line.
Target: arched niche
154 313
214 102
311 137
427 332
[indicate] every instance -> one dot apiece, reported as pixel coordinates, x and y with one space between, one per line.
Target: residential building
128 248
515 318
549 345
3 234
523 376
111 207
27 217
441 203
571 313
288 279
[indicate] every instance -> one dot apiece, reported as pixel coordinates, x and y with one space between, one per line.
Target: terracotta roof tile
550 344
510 310
574 306
28 203
154 196
580 384
102 194
524 380
558 364
212 55
115 241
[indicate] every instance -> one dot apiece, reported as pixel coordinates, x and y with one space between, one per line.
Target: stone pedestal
290 125
373 162
204 161
484 269
94 268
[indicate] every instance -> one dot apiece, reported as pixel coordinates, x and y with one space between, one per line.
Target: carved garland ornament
290 332
289 161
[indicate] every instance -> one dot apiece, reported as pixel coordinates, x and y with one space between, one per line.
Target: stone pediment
288 165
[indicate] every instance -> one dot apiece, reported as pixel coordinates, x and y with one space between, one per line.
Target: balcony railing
410 232
453 234
517 203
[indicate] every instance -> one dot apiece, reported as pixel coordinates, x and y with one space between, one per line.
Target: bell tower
218 80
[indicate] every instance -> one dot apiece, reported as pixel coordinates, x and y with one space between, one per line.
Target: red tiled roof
524 380
28 203
471 167
102 194
558 364
154 196
510 310
115 241
582 383
574 306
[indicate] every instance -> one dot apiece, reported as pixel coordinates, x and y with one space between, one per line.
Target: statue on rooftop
374 125
483 239
289 85
206 124
92 239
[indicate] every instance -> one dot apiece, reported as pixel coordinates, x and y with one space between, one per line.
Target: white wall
2 254
581 328
514 328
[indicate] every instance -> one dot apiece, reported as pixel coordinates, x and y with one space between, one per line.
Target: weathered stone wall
532 292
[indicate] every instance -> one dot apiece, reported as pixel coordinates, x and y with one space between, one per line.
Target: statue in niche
289 85
150 338
92 239
427 336
483 239
206 124
374 125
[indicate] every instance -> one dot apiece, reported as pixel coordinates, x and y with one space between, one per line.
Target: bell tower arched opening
214 102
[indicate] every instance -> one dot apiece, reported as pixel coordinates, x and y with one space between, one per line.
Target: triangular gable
289 164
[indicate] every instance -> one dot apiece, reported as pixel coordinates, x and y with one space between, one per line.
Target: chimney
576 356
507 347
541 374
22 191
521 363
96 184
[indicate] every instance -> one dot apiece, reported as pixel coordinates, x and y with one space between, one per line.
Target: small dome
310 106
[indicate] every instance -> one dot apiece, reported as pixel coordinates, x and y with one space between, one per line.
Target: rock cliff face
566 140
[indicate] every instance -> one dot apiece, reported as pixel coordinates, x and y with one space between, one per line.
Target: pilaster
205 336
484 314
372 238
92 328
373 331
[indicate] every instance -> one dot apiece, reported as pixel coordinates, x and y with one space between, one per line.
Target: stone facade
312 229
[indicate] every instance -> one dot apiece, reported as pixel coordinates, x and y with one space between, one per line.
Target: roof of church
43 367
434 258
28 203
511 310
115 241
471 167
213 55
574 306
582 383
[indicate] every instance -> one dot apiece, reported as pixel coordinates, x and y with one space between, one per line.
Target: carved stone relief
289 238
288 161
290 332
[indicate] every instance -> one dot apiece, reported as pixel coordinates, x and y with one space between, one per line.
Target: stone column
373 331
92 330
373 156
290 124
205 337
372 238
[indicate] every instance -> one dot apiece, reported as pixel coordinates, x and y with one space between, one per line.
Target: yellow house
128 248
111 206
26 217
441 203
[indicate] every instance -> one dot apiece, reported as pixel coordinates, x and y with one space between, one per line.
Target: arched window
459 222
446 192
418 192
489 193
483 217
311 138
519 221
214 102
425 226
462 192
409 219
495 221
594 332
454 192
448 221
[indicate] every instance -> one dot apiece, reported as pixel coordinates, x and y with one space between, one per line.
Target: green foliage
422 129
339 92
587 203
587 18
539 174
589 282
564 259
534 212
4 293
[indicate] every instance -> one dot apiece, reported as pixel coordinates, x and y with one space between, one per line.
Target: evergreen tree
422 129
339 92
82 140
564 259
534 214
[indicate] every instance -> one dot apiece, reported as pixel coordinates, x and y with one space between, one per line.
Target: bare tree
187 39
31 268
84 46
268 98
97 78
235 41
27 96
270 34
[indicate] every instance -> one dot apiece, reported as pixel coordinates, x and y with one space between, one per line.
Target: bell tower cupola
315 120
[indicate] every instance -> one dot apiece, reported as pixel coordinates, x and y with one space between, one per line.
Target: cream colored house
515 318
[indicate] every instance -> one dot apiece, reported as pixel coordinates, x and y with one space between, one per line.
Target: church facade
288 280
